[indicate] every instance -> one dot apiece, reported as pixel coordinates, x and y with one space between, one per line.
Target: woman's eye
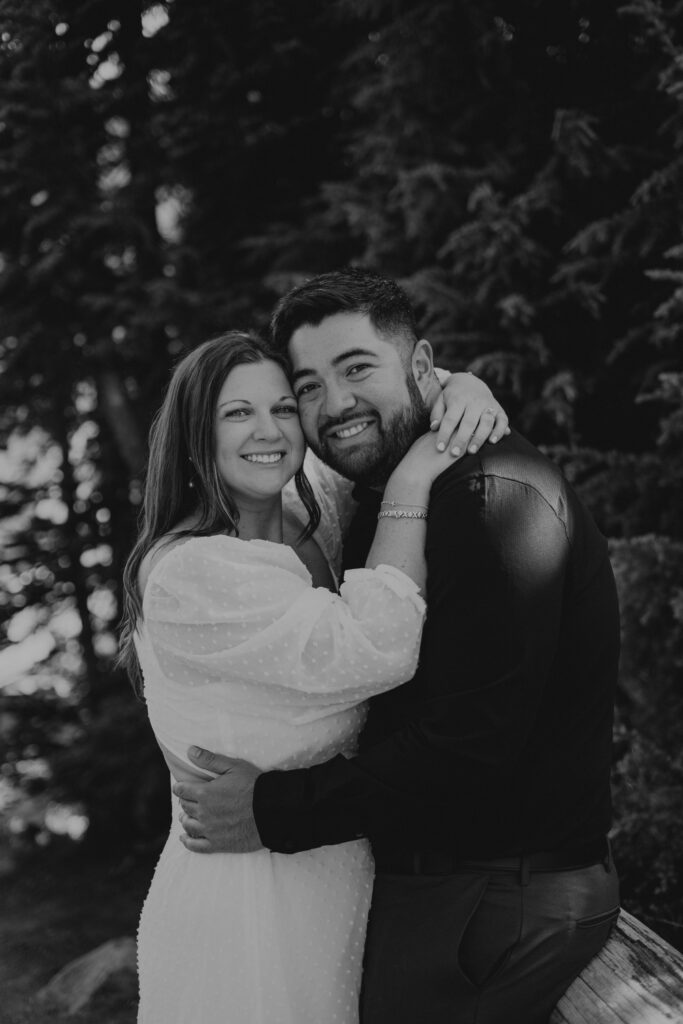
235 414
286 410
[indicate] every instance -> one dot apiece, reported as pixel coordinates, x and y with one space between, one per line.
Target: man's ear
422 365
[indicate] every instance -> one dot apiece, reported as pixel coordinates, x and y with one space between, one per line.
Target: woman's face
259 443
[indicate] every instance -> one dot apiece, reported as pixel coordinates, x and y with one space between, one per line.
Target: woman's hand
412 480
466 414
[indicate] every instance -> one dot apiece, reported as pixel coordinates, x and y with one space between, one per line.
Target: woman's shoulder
181 536
180 558
156 554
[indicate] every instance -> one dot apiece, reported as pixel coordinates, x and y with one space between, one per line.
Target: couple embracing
436 854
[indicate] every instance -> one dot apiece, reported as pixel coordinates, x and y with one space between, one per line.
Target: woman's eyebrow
229 401
247 401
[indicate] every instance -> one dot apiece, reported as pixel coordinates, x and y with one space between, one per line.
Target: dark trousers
478 947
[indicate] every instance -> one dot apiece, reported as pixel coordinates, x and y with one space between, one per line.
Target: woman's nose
267 428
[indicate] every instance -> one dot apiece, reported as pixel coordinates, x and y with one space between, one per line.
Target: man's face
360 408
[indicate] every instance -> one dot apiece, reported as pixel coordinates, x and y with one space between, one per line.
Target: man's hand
466 414
217 814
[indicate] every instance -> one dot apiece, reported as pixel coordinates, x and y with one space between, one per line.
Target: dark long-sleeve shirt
501 743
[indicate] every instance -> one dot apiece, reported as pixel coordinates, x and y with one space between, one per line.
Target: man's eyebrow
350 353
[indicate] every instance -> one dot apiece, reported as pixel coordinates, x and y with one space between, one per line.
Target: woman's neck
256 522
261 522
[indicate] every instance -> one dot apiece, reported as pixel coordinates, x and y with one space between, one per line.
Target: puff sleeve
219 609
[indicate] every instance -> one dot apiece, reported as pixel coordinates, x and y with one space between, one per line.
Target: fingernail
195 751
493 439
441 447
455 450
472 449
434 424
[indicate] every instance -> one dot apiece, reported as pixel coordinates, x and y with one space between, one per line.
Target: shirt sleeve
221 609
495 587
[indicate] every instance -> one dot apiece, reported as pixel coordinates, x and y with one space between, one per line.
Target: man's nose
339 399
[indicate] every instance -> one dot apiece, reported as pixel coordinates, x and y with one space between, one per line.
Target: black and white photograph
341 512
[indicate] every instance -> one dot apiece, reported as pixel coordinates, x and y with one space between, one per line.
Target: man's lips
350 429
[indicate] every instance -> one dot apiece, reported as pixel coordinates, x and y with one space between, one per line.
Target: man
483 783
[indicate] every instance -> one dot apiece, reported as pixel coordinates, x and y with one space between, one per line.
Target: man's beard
373 464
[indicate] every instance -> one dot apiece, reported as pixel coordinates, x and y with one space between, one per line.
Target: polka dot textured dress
241 655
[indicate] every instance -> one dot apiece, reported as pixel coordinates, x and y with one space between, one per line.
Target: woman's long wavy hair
182 477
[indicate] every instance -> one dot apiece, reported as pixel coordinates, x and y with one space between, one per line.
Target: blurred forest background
167 171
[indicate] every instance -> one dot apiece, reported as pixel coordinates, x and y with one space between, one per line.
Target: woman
245 646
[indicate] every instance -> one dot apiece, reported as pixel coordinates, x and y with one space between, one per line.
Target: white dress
241 655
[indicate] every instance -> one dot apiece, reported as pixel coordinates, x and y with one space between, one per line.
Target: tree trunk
74 549
115 407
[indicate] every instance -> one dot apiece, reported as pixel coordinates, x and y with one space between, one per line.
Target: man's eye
357 368
305 389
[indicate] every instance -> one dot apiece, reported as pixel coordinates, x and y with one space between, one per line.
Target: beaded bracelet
400 513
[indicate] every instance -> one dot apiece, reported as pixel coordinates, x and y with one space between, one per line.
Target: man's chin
358 463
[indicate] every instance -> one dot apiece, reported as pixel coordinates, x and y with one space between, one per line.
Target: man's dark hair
351 290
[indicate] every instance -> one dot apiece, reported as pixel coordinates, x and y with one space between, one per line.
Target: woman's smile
265 458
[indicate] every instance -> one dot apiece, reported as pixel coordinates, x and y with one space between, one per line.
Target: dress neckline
279 545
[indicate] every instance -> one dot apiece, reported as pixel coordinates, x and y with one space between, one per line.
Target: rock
74 986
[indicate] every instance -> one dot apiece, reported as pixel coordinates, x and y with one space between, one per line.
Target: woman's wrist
404 498
395 511
406 491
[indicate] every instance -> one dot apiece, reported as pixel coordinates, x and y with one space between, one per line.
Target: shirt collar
365 495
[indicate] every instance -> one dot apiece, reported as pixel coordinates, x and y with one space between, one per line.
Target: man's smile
349 430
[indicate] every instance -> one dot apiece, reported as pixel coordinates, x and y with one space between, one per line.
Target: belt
436 862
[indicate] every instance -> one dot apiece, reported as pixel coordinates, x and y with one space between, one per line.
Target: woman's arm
222 611
402 524
466 414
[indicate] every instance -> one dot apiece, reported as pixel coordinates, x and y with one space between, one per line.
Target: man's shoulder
513 457
514 464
